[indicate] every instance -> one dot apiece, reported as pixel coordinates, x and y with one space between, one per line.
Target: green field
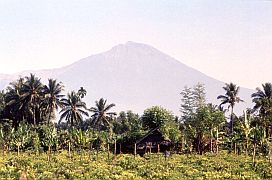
85 165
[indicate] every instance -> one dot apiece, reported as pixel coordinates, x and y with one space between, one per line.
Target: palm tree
73 109
82 92
263 103
2 100
263 99
101 116
52 97
14 108
231 98
31 95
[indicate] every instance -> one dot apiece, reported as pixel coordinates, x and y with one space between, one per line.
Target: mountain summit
134 76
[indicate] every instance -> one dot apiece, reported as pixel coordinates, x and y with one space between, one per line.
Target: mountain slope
135 76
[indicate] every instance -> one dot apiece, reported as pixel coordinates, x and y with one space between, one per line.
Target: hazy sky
228 40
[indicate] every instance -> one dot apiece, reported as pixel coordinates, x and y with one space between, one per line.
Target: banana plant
36 142
258 137
246 128
50 139
65 140
5 136
91 138
20 136
263 140
81 139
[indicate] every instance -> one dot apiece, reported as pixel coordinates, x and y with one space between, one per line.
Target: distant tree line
28 112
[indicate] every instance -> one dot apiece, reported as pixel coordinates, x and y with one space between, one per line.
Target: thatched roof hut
153 141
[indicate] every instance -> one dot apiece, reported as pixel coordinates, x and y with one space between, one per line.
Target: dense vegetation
151 166
86 138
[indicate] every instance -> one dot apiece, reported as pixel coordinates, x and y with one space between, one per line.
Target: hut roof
157 136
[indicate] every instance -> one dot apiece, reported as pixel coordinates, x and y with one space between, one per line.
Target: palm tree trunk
182 143
91 147
34 117
80 152
199 148
98 146
18 150
235 148
231 119
49 153
217 141
246 145
269 152
48 120
211 143
8 146
3 150
69 149
115 149
108 147
269 155
97 150
254 154
231 123
135 150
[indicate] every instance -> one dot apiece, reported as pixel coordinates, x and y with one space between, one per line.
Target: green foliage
199 121
48 135
191 100
152 166
102 118
2 101
187 103
127 123
27 107
263 100
27 99
198 124
171 132
82 92
199 95
156 116
201 125
73 109
5 135
35 142
20 136
230 98
51 98
81 138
